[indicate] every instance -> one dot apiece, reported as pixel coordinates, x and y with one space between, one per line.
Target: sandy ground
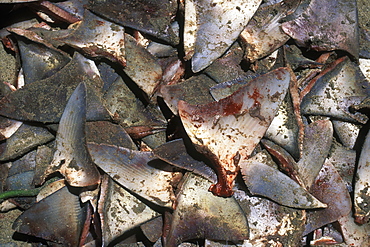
8 74
6 232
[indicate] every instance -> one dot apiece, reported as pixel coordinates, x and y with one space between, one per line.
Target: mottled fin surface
336 31
39 61
120 211
284 223
316 146
151 17
195 90
45 100
72 158
26 138
269 182
212 26
130 168
176 154
142 67
335 91
362 193
199 214
53 219
105 39
237 122
329 188
263 34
